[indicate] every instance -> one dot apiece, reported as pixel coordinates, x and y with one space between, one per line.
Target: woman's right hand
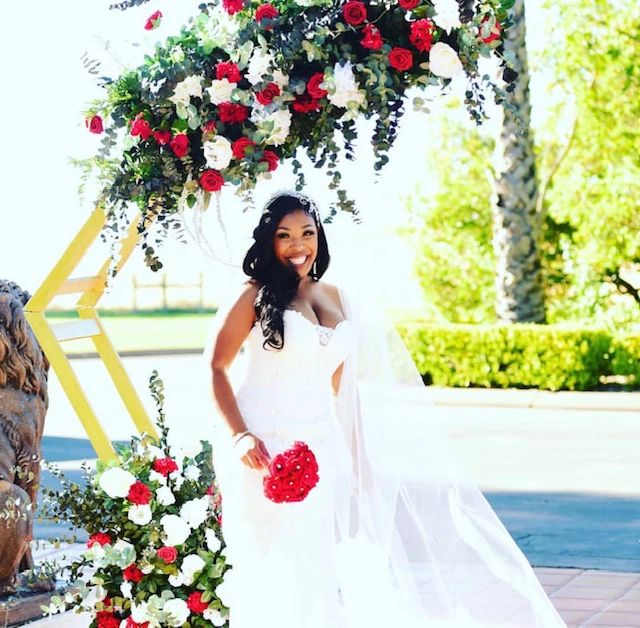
253 452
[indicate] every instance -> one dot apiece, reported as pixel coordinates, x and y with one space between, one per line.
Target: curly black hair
278 283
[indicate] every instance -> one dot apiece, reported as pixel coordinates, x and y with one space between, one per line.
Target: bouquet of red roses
292 474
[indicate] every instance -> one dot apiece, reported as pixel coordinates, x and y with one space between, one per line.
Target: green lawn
145 332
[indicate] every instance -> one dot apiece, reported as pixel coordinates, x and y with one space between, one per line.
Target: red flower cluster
107 619
134 624
180 144
132 573
421 35
139 493
372 38
211 180
271 159
164 466
153 21
292 474
167 554
266 12
313 85
233 6
306 103
266 95
99 538
94 124
228 70
141 127
232 112
408 5
239 147
354 12
195 603
162 137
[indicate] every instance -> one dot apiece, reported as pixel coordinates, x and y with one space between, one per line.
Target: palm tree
517 222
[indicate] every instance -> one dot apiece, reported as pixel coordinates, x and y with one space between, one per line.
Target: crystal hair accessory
305 202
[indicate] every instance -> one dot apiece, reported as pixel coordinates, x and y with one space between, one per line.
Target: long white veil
418 544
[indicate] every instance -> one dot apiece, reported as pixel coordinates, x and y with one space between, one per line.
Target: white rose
343 88
191 565
177 580
444 61
177 611
281 124
139 612
165 496
180 96
447 14
214 616
195 511
125 589
176 530
220 91
218 154
190 86
280 78
154 476
139 514
116 482
259 65
213 542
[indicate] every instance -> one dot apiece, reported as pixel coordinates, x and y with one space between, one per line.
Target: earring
314 270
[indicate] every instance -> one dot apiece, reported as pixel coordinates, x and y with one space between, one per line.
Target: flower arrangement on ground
248 83
155 554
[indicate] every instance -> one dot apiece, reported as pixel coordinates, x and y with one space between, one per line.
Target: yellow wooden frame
51 337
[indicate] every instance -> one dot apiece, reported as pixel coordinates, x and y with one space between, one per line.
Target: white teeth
298 261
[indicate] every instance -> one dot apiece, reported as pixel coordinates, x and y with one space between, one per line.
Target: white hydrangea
343 87
281 120
261 63
125 589
178 479
444 61
165 496
447 14
139 612
154 476
191 565
140 514
220 90
176 530
176 580
195 511
190 86
214 616
116 482
218 154
223 591
213 542
280 78
176 611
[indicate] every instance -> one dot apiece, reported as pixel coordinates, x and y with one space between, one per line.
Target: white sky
45 91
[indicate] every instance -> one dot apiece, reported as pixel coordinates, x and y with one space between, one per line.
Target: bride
393 534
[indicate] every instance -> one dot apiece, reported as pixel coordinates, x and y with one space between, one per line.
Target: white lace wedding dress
392 535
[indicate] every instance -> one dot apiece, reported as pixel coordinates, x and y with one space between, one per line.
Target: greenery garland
247 84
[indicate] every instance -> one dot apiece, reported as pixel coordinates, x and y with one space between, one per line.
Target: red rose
372 38
94 124
168 554
239 147
306 103
421 35
271 159
99 538
162 137
153 21
266 95
493 34
313 85
233 6
228 70
211 180
134 624
266 12
180 145
401 58
165 466
292 474
132 573
407 5
232 112
141 127
139 493
195 603
106 619
354 12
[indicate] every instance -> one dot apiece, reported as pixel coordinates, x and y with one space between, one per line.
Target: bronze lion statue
23 405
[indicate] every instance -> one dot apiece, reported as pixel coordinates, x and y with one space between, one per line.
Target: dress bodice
292 384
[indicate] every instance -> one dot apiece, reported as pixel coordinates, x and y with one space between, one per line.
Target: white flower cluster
218 154
190 86
343 88
275 125
447 14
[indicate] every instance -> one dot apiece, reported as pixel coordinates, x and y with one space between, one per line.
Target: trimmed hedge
520 356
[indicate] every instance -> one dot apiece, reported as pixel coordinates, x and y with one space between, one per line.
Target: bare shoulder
332 292
243 309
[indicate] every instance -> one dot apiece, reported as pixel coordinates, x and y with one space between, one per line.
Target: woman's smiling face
295 242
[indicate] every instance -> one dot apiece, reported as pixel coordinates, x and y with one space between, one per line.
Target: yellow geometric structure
51 336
